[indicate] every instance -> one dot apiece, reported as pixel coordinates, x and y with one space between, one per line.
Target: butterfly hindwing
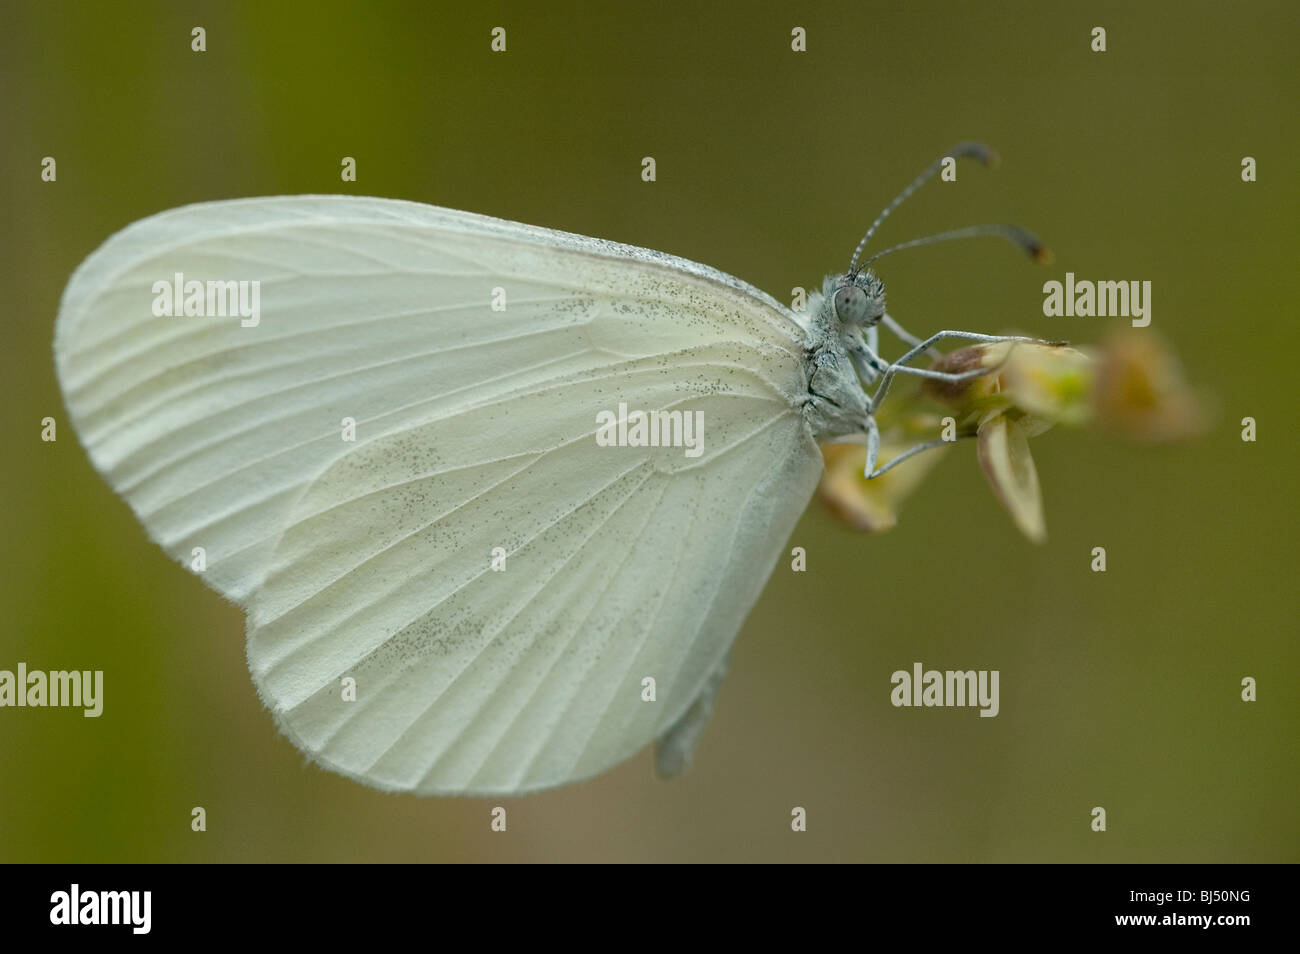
470 357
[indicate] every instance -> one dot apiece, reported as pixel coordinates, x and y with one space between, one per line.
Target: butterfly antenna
963 150
1024 238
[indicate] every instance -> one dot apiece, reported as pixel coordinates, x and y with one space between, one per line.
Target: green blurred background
1119 689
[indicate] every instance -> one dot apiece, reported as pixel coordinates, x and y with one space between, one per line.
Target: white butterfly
500 585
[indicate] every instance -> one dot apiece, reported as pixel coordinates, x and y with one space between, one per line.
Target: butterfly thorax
837 403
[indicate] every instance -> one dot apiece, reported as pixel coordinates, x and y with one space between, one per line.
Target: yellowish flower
1047 381
870 505
1138 391
1003 451
1131 384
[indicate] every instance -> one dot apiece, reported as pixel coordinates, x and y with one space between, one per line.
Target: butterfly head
858 299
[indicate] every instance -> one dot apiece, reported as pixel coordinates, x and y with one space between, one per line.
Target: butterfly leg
873 450
873 347
902 334
866 361
674 748
900 366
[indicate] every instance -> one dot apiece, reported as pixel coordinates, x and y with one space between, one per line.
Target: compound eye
851 304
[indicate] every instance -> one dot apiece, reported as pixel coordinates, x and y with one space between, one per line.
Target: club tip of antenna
982 152
1042 254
